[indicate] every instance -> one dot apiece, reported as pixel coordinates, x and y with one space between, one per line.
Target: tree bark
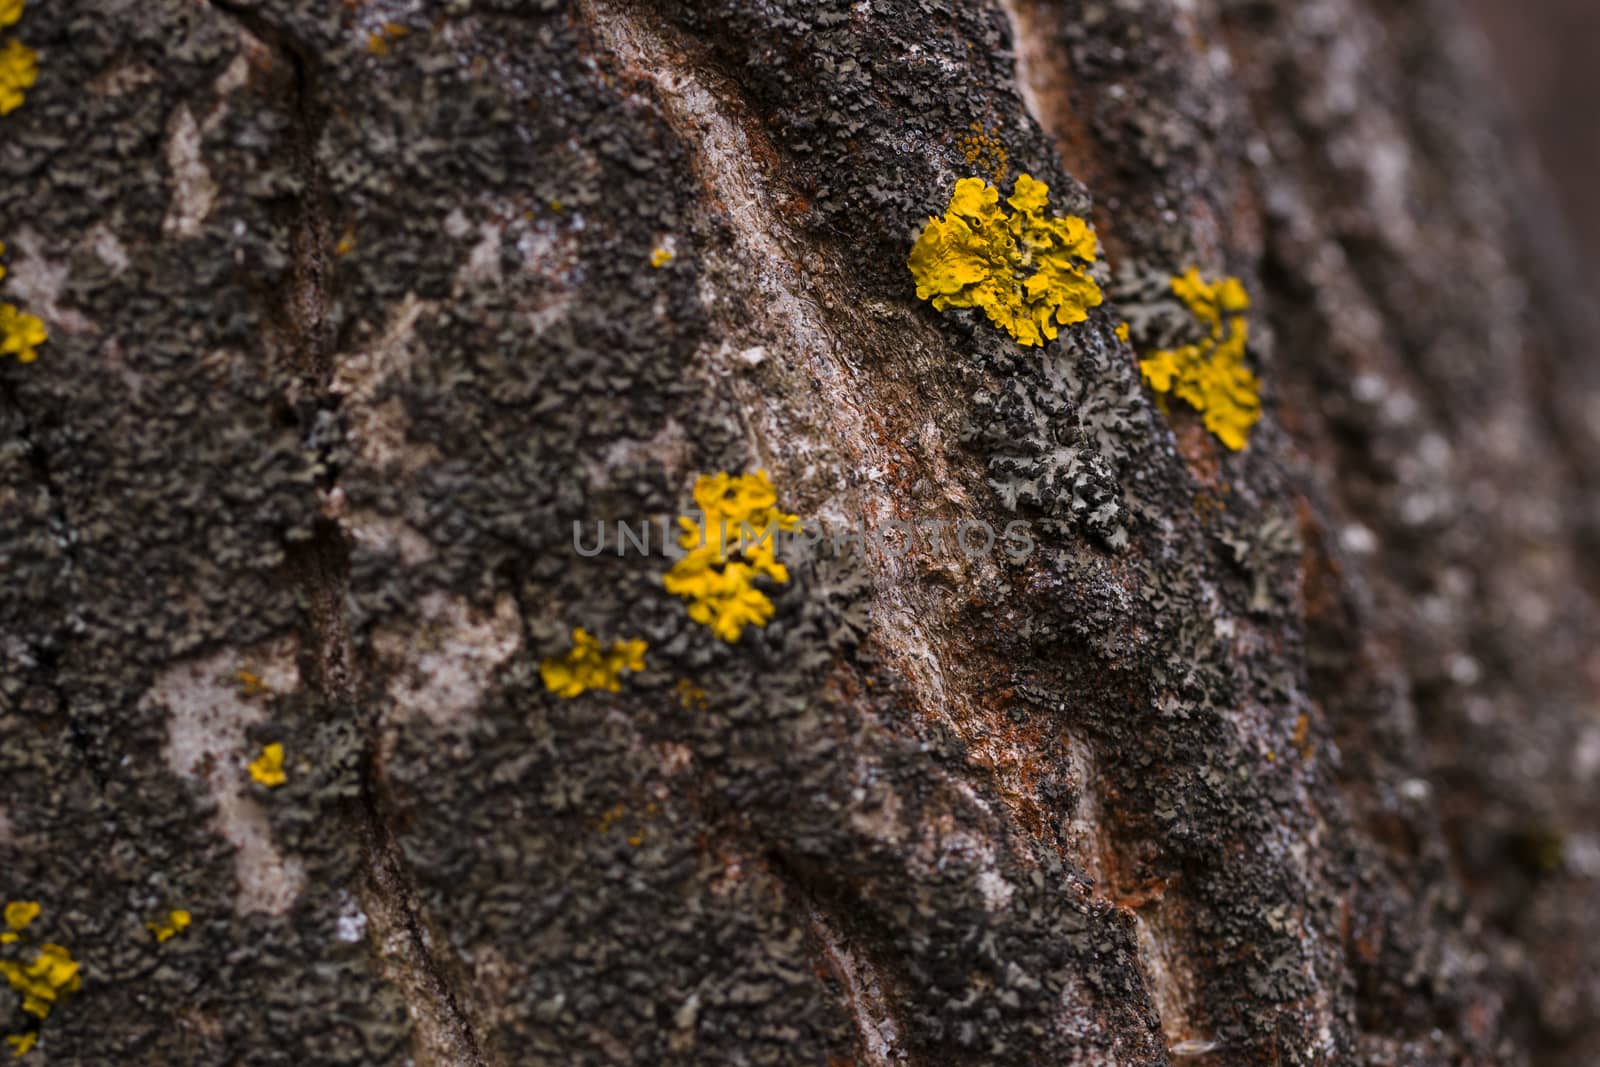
1279 756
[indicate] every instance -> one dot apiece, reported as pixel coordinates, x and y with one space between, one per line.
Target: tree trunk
1284 755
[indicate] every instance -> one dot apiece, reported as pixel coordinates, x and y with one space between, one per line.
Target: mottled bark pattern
1285 756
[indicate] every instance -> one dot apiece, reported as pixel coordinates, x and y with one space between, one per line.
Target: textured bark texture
1285 756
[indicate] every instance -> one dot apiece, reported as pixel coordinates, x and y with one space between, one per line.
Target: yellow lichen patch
1210 374
42 983
1027 270
660 258
20 334
18 914
174 924
267 768
19 69
10 12
22 1043
588 666
733 543
1123 332
985 151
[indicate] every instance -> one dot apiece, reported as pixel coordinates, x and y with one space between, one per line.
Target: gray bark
1284 756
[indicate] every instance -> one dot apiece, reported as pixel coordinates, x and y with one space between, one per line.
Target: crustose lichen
1025 269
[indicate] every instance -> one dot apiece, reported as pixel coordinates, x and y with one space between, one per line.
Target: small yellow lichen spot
10 12
20 334
1025 269
52 974
267 768
609 819
250 683
378 44
174 924
346 245
660 257
1123 332
22 1043
588 666
690 695
19 69
719 587
19 913
1210 375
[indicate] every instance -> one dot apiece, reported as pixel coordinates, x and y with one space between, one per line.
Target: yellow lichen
1123 332
690 695
1026 270
19 69
20 334
733 543
1210 374
10 12
250 683
42 983
20 913
588 666
267 768
175 923
660 257
22 1043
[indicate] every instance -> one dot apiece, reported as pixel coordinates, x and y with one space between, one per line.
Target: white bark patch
388 536
868 1001
193 191
108 248
483 261
378 428
208 714
35 282
439 670
1168 979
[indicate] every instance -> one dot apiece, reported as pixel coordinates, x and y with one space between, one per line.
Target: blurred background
1549 53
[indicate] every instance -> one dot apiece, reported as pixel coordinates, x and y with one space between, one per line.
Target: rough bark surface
1280 757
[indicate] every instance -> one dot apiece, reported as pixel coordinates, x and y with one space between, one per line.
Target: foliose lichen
44 981
589 666
171 925
19 64
1210 373
1027 270
730 546
267 768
